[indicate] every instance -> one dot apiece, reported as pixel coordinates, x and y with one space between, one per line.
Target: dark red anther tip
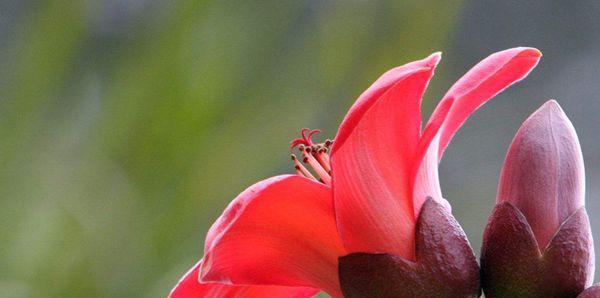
512 265
445 265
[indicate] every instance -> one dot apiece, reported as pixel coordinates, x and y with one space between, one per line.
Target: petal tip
524 52
532 51
433 59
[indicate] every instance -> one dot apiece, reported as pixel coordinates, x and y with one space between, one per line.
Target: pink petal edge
189 287
375 91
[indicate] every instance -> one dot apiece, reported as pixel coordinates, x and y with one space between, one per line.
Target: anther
314 155
321 172
323 159
300 169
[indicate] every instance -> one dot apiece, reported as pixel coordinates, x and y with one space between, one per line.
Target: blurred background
126 126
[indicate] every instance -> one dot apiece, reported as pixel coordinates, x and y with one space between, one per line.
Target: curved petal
486 79
543 173
370 166
280 231
425 177
376 90
189 287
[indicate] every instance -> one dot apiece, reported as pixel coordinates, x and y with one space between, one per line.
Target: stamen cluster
314 155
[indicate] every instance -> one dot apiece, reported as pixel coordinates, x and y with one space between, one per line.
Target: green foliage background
127 126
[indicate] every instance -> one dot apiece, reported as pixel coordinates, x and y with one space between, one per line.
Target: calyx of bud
512 264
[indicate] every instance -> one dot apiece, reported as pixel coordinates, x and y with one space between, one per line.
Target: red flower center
315 156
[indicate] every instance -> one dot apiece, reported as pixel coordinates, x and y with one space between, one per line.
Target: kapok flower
361 193
538 241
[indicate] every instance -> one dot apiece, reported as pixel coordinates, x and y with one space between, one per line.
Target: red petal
374 92
486 79
189 287
371 162
426 181
425 176
280 231
543 172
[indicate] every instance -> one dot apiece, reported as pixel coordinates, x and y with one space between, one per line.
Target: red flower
290 230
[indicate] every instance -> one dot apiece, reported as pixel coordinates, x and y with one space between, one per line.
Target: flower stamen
300 169
323 159
307 155
313 154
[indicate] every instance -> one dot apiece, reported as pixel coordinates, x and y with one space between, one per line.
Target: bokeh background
126 126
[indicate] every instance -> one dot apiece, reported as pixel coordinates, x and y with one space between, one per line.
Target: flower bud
538 241
543 173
